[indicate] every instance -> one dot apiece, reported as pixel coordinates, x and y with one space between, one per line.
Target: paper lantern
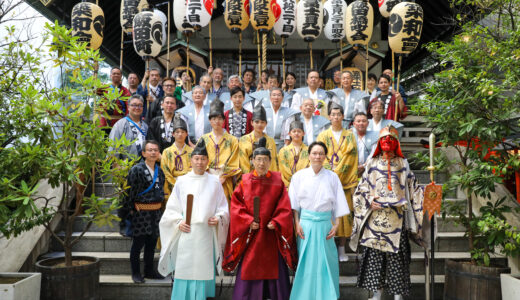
360 22
179 17
385 6
357 77
148 34
309 19
164 21
286 23
334 19
236 15
198 12
405 27
130 8
87 22
264 14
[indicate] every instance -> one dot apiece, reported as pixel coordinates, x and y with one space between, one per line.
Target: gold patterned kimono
246 152
174 163
223 159
342 159
291 163
382 228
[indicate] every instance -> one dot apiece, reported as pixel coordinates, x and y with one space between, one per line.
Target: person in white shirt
312 91
193 251
278 118
351 99
314 124
196 115
377 121
366 140
206 82
318 203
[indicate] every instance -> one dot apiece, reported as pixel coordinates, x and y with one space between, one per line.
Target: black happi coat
139 179
157 132
155 109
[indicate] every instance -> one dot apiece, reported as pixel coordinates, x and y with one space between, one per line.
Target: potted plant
56 137
472 106
20 286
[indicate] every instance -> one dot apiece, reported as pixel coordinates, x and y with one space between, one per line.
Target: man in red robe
265 247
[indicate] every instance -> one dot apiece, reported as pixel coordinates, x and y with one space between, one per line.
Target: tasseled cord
388 156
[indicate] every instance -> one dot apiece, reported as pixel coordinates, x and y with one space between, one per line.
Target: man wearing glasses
156 108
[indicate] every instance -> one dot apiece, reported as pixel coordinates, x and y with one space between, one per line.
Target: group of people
257 182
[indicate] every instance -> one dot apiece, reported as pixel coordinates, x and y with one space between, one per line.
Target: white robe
194 255
318 192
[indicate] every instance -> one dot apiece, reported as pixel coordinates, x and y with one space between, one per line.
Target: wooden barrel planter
464 281
79 282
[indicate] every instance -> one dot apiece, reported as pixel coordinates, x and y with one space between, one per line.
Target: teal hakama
317 275
193 289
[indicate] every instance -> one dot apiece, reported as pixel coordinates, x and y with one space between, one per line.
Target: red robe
121 109
390 112
259 249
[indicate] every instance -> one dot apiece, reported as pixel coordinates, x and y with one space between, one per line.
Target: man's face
216 122
259 125
151 152
217 75
199 163
169 87
384 85
388 72
337 77
248 77
180 135
371 83
133 80
198 96
115 77
307 108
388 144
276 98
361 124
135 108
154 77
313 80
238 100
234 82
261 164
336 117
346 80
185 77
317 155
272 83
169 105
377 111
206 83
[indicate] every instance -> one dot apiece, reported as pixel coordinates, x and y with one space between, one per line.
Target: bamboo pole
168 42
366 70
210 46
240 55
121 53
93 171
283 59
148 82
310 53
264 51
341 55
397 86
258 51
187 53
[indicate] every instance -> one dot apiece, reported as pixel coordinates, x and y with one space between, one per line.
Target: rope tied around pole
264 51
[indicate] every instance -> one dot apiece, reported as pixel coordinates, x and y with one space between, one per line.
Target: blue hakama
317 275
193 289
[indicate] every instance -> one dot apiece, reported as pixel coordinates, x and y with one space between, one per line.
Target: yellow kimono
342 159
289 163
246 152
223 159
174 163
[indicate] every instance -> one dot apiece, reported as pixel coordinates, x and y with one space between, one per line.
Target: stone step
424 176
114 242
117 263
122 287
81 221
105 188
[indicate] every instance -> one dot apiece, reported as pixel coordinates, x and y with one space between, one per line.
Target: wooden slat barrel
66 283
464 281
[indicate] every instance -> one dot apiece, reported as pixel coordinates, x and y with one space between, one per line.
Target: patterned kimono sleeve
245 149
168 165
416 193
232 165
361 201
322 137
274 160
283 165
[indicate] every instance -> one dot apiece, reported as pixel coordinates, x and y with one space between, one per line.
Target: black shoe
153 275
137 278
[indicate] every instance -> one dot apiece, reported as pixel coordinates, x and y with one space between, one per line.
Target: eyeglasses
136 105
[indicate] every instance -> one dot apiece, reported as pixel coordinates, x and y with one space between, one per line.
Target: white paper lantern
148 34
309 19
87 23
198 12
334 12
236 15
405 27
164 20
179 17
286 23
385 6
360 22
130 8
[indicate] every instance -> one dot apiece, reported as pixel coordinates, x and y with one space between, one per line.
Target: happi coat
246 152
289 162
133 133
352 104
223 159
258 250
194 255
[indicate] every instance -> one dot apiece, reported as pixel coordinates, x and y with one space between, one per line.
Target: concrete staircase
113 251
